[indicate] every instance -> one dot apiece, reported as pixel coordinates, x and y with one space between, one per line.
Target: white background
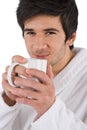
11 41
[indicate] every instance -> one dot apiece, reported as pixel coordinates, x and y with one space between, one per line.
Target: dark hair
66 9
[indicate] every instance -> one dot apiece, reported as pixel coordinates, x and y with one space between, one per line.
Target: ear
70 41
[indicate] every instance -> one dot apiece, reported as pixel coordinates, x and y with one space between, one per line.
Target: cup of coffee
39 64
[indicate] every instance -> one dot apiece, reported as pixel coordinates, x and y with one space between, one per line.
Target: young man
60 98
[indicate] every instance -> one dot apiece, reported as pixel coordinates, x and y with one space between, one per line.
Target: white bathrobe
69 112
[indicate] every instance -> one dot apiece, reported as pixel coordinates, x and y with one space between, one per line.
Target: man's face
45 39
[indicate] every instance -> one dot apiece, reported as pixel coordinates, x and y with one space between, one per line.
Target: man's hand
8 97
39 94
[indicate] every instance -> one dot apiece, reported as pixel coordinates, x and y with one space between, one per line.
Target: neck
62 63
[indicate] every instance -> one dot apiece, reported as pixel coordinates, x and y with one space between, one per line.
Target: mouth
41 56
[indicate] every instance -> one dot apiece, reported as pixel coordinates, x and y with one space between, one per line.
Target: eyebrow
46 30
51 29
27 29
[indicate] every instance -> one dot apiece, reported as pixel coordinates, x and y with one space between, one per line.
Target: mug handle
9 73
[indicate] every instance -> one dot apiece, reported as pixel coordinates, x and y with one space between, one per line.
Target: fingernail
24 59
27 71
13 92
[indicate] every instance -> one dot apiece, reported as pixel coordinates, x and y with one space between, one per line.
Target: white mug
39 64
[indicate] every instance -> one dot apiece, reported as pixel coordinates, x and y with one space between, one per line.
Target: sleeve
7 114
58 117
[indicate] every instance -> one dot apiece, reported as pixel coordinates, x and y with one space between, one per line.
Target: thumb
18 58
50 72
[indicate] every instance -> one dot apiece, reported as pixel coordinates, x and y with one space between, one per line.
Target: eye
30 33
50 33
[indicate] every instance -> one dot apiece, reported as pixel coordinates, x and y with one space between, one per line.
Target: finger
6 85
6 69
18 58
21 70
40 75
4 76
32 102
29 83
10 95
22 92
7 89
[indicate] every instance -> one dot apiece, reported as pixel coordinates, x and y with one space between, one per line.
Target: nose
40 43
